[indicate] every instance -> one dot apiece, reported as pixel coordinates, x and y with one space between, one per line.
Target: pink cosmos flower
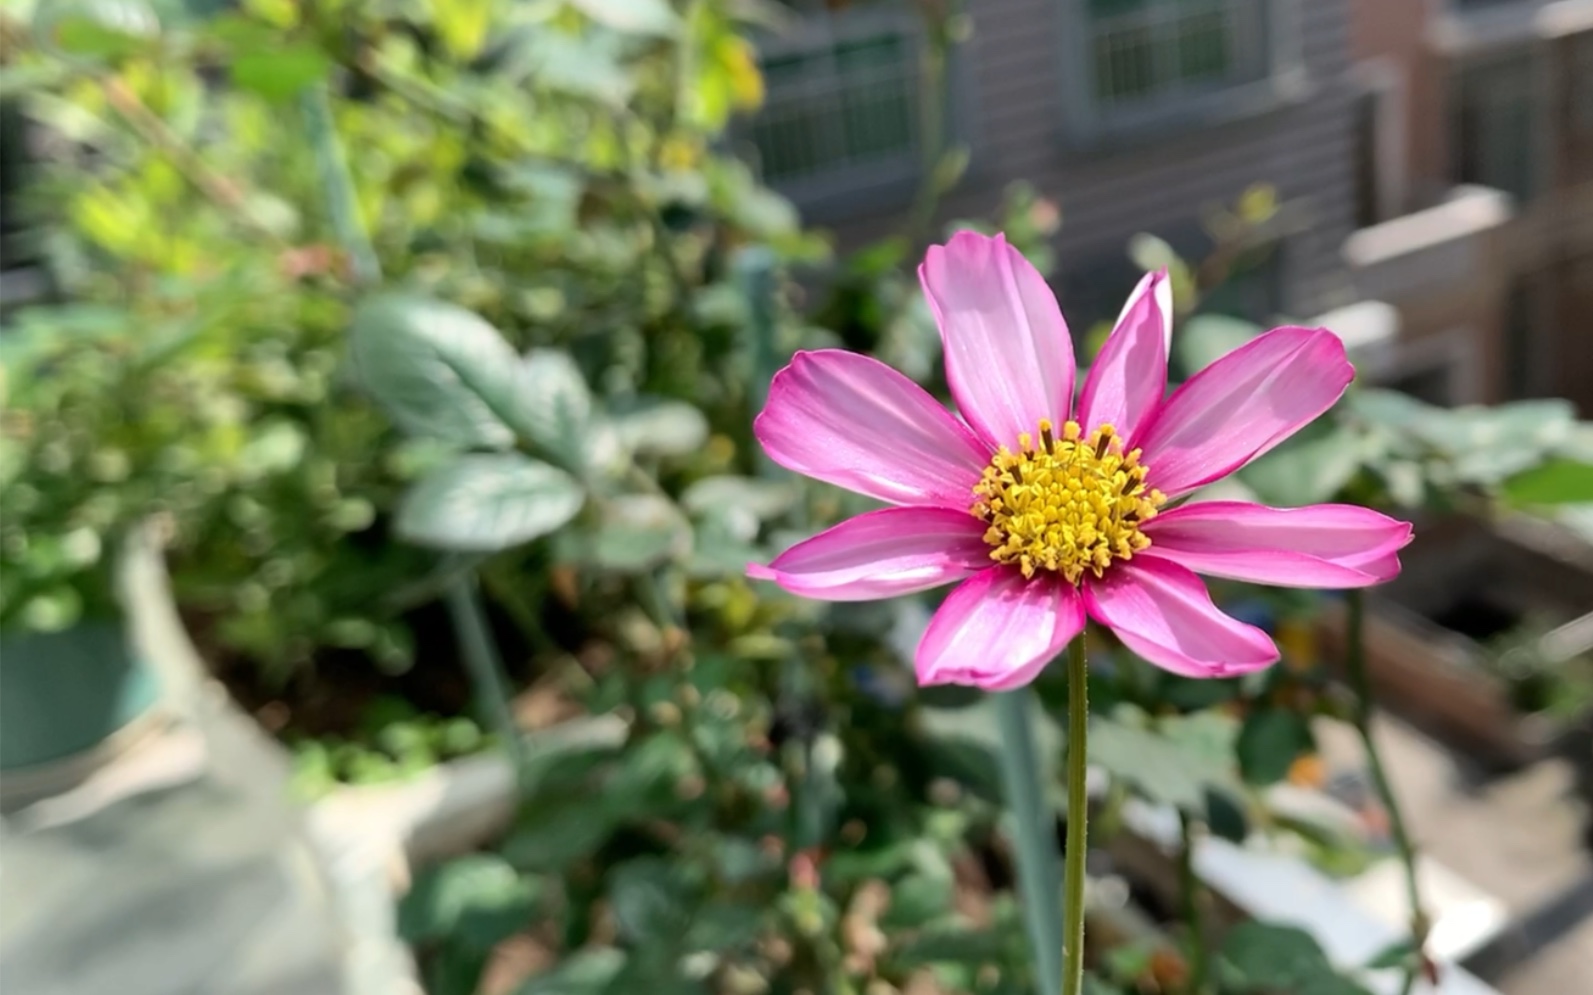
1047 511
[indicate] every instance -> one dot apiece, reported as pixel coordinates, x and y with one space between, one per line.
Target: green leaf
585 972
553 834
1172 761
651 900
552 406
724 925
1267 958
662 428
486 502
1559 481
478 898
633 533
738 505
1150 253
637 17
1205 338
1269 743
1400 953
456 970
280 74
438 370
1309 469
97 28
919 899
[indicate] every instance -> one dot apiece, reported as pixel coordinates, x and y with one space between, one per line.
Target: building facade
1134 115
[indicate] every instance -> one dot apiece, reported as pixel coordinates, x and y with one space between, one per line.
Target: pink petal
997 631
1009 358
882 554
1162 612
1126 382
852 421
1242 405
1322 546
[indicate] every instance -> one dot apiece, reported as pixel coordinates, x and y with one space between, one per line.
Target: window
1496 140
842 106
1147 52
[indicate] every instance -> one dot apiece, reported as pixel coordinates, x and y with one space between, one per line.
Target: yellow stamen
1073 504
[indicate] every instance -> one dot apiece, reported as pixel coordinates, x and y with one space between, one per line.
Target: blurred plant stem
224 192
1361 685
1034 835
342 203
940 18
483 665
1189 892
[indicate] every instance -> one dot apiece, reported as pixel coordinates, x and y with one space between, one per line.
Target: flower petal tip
760 571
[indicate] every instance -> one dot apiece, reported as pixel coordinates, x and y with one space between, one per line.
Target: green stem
486 670
1361 685
1078 814
1034 833
341 201
1189 891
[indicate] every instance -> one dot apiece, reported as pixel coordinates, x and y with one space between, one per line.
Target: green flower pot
64 693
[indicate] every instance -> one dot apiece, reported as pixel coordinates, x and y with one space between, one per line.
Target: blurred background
378 483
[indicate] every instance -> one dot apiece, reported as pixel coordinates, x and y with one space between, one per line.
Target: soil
341 692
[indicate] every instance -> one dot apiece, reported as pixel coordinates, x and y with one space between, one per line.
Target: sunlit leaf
280 74
1558 481
484 502
478 898
552 406
640 17
438 370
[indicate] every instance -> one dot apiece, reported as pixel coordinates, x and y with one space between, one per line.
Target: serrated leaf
661 428
478 898
438 370
486 502
552 406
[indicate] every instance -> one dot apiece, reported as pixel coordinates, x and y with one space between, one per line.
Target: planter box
1353 919
1479 577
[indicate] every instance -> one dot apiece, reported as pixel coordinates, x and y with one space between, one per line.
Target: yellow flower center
1070 504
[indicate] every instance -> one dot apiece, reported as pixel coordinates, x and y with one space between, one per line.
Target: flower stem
1034 833
1360 683
486 671
1189 891
1078 815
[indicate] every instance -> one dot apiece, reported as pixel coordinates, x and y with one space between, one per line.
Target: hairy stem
1078 815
